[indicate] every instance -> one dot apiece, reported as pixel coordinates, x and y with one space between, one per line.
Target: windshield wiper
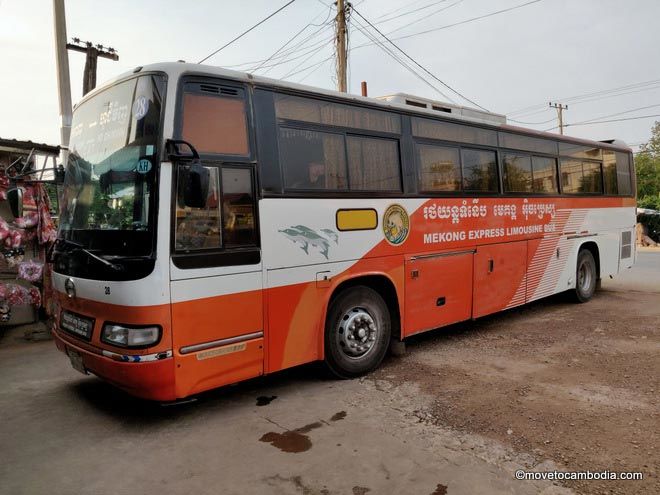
79 247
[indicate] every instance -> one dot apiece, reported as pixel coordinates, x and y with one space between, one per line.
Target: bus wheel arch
384 286
587 272
362 317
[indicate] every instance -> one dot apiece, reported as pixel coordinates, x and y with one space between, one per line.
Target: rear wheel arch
592 246
384 286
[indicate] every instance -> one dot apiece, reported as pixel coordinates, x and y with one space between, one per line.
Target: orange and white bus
217 226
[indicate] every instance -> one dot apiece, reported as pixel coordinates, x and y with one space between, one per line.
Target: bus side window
238 207
199 228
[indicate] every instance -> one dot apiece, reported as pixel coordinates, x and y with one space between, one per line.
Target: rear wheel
586 276
357 332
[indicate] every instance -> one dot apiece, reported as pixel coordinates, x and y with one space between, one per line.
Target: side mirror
195 179
15 199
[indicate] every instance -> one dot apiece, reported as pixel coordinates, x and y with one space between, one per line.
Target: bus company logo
396 224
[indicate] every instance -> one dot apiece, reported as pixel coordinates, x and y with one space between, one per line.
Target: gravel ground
573 384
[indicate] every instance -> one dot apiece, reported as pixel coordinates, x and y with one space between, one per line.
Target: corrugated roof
15 144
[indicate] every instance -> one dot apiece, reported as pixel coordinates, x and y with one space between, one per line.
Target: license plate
77 325
76 361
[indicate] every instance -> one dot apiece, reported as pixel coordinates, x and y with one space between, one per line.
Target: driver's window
200 228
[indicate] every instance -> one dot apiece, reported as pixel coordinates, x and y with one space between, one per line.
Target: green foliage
647 164
650 202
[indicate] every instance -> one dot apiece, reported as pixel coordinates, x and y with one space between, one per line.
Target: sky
549 50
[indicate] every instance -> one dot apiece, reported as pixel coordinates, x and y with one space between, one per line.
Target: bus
218 226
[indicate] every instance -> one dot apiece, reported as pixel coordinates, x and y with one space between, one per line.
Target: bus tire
586 277
357 332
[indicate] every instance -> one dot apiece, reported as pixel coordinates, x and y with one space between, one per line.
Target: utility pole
560 114
63 81
92 52
342 55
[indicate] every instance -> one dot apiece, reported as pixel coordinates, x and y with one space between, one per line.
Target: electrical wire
410 12
291 39
247 31
425 17
604 93
467 20
606 121
378 43
417 63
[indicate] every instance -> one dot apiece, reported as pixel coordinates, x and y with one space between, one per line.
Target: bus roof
176 69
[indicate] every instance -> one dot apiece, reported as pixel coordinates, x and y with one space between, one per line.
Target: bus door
499 277
216 267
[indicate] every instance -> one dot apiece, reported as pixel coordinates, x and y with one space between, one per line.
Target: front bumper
146 376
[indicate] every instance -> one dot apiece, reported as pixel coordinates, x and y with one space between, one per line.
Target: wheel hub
356 333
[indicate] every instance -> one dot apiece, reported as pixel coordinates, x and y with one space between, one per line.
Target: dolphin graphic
331 234
313 238
296 236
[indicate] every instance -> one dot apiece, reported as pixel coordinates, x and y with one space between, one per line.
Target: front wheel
586 276
357 332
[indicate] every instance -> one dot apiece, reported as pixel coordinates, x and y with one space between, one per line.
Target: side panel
438 290
499 277
218 337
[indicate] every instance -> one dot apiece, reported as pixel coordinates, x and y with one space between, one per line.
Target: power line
575 98
425 17
531 123
417 63
410 12
616 114
247 31
607 121
281 47
399 9
378 43
467 20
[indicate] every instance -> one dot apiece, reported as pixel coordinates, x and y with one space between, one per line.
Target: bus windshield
108 195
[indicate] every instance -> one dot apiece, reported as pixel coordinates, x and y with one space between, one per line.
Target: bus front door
216 284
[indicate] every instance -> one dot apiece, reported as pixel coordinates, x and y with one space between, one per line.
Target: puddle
292 441
265 400
338 416
440 490
295 441
360 490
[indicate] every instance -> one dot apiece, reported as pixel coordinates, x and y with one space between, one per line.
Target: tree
647 163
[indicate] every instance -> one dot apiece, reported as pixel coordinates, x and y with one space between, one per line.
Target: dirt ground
552 385
580 386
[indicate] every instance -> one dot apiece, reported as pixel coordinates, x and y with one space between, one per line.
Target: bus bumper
152 380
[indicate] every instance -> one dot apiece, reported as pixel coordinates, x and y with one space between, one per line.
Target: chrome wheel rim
356 333
584 277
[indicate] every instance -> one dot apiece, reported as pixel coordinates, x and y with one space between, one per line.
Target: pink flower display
30 271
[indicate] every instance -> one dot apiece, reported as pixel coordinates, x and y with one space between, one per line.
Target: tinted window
579 151
544 174
238 207
609 173
517 173
592 180
581 177
623 172
215 124
312 159
440 168
571 176
527 143
324 112
448 131
199 228
373 164
479 170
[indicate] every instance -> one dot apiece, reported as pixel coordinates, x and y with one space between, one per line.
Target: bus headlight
126 336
